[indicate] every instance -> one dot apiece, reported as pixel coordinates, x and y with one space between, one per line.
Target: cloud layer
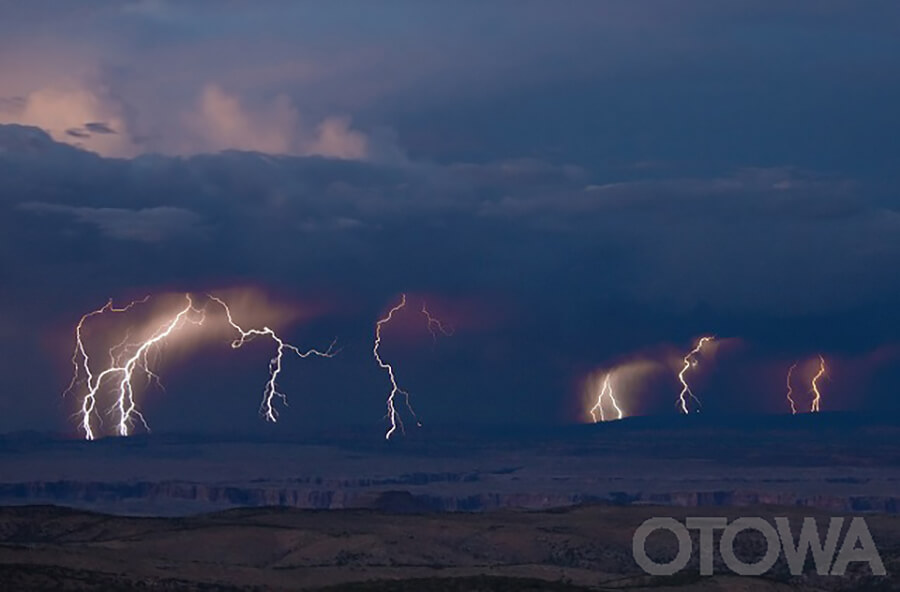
571 186
566 270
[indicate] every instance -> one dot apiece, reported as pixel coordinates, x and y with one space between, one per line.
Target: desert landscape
577 549
553 509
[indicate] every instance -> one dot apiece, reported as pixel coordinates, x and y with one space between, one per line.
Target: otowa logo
857 545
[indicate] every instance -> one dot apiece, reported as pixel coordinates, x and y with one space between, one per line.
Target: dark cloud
12 102
146 225
77 133
98 127
576 268
240 202
604 179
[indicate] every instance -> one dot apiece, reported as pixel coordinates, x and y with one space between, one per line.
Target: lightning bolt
126 357
393 416
122 366
690 360
790 389
815 386
88 404
270 391
125 402
434 326
606 390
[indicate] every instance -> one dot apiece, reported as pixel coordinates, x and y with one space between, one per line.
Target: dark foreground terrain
579 548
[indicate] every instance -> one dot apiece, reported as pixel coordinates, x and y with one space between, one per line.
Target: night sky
574 186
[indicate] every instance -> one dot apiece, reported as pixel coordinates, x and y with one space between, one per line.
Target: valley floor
576 549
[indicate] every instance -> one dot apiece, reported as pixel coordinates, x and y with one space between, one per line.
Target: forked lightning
606 391
434 326
126 357
267 407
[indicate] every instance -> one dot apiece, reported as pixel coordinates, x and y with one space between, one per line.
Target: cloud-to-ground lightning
267 407
393 416
606 391
790 389
88 404
690 360
125 358
817 396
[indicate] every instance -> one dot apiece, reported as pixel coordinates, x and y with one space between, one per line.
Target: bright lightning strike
815 386
127 357
122 367
267 407
605 390
434 326
393 416
88 404
690 360
790 389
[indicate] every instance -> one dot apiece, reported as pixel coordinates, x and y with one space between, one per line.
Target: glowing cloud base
815 405
606 391
130 358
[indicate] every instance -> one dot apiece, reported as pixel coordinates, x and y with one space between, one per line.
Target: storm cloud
570 188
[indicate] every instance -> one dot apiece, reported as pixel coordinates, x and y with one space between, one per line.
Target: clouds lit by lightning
817 396
690 360
813 388
133 358
393 416
606 391
125 359
128 357
81 361
267 407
